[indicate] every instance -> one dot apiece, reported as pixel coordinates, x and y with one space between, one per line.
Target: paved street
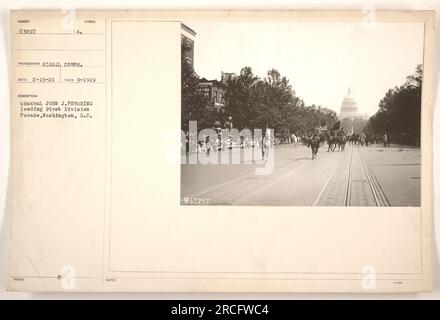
359 176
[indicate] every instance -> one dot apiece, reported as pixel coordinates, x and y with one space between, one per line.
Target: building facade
187 43
215 90
226 76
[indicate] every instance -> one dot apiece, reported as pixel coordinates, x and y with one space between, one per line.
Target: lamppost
229 123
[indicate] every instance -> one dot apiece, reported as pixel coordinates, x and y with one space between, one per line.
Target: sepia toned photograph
301 114
303 162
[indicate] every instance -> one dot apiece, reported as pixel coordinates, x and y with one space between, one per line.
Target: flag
337 125
322 128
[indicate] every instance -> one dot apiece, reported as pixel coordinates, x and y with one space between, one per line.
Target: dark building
187 44
226 76
215 91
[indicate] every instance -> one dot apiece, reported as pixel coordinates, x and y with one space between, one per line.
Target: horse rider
385 140
314 142
315 133
341 133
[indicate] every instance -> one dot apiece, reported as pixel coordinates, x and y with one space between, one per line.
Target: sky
320 60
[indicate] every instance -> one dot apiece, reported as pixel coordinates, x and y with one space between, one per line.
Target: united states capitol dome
349 104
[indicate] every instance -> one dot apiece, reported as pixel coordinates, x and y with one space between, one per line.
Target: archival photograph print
301 114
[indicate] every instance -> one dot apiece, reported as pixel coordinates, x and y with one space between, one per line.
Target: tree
194 104
399 111
271 103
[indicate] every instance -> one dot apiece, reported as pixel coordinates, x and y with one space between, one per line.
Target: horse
294 139
354 139
341 140
331 141
314 143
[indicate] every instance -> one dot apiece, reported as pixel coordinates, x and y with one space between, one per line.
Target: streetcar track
328 181
379 195
348 190
370 183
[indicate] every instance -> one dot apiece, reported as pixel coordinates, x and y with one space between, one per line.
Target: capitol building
351 120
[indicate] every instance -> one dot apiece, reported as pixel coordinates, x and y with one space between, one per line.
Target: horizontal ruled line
53 49
209 278
60 82
62 34
61 66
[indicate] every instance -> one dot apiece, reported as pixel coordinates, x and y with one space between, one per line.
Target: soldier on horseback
341 139
317 137
331 140
332 136
315 141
